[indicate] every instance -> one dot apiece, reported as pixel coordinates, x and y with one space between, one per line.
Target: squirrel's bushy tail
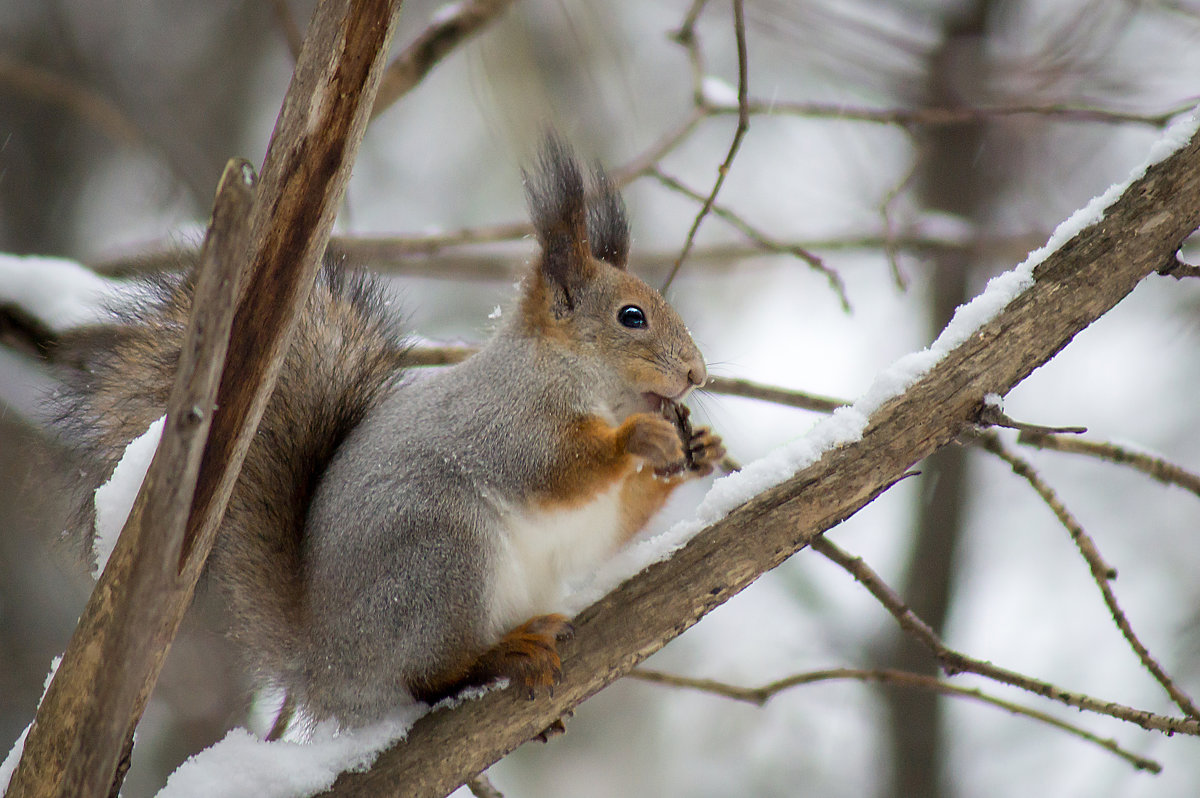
346 351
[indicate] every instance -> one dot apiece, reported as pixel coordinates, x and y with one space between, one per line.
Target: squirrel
398 536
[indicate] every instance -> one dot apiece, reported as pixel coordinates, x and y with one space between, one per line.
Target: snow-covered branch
920 404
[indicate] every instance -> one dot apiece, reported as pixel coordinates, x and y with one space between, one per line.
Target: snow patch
114 499
59 293
244 766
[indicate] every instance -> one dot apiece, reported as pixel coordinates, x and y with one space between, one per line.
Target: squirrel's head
581 297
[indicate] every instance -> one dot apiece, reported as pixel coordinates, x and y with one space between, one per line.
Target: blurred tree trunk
955 175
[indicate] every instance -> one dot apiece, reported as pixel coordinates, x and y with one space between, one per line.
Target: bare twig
481 787
993 416
770 393
953 662
1180 269
686 37
1155 467
761 695
757 236
743 124
649 160
890 247
45 86
958 115
447 31
445 355
1102 573
445 255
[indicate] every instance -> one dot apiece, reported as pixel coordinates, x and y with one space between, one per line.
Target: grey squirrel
397 535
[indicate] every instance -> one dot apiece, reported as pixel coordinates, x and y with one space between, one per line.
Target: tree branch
445 33
956 115
1155 467
93 704
743 124
80 735
43 85
759 696
954 662
1102 572
1072 287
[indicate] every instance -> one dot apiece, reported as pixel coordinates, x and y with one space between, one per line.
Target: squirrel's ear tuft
559 212
608 228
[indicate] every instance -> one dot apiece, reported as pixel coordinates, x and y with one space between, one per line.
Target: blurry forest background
915 148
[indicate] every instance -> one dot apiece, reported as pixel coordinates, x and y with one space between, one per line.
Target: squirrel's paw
528 655
654 439
705 450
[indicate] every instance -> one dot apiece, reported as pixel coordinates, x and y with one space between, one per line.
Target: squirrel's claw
553 730
706 450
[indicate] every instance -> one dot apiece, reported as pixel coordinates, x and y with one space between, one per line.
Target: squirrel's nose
697 373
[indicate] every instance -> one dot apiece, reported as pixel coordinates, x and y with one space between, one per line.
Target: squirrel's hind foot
528 655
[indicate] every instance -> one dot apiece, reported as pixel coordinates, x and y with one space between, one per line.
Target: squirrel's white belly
541 550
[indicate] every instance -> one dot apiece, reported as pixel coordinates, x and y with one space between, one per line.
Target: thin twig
443 255
761 695
687 38
890 248
1155 467
757 236
481 787
993 416
446 32
1180 269
770 393
743 124
954 662
426 355
1102 572
87 104
940 117
643 164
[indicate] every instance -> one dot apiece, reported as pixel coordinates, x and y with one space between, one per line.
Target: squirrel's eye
632 316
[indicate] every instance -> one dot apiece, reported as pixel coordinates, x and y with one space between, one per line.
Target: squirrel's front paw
654 439
705 450
528 655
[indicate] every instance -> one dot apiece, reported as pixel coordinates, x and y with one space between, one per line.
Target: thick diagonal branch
117 651
1075 285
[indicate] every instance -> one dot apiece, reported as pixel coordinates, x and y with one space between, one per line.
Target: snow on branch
779 505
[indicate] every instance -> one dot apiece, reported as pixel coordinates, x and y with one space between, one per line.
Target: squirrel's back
347 350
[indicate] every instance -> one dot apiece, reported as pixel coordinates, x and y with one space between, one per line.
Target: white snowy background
448 157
